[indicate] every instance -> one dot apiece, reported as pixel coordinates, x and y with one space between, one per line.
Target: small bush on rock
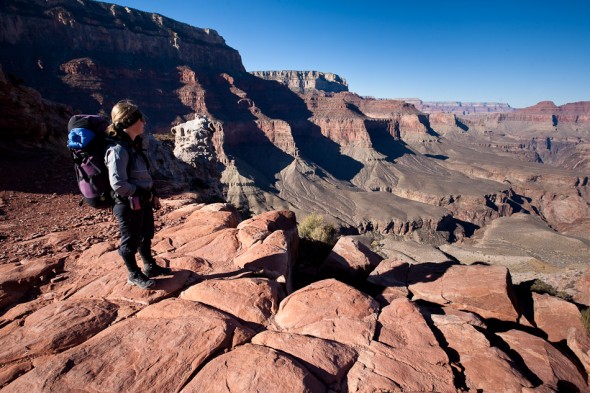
540 286
316 241
586 318
314 229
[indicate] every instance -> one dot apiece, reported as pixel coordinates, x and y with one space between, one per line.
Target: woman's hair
124 114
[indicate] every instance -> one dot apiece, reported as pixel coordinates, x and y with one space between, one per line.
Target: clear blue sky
518 51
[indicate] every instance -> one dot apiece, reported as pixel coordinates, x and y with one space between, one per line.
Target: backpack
87 142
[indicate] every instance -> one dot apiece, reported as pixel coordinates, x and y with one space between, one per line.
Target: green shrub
314 229
316 241
586 318
540 286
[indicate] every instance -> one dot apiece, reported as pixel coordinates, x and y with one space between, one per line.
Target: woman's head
126 117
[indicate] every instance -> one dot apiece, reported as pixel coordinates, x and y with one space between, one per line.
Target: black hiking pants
137 231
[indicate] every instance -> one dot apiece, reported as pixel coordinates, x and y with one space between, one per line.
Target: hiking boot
154 270
140 280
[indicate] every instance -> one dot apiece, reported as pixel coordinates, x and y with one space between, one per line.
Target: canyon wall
459 108
305 81
99 53
368 164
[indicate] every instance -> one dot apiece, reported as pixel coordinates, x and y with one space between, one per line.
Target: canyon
418 191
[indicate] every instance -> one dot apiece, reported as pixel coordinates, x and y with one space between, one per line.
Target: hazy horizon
518 53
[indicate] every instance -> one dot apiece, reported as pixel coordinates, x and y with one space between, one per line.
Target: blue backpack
87 141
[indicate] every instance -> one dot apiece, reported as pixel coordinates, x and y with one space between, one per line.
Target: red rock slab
96 262
381 368
256 229
544 360
579 342
180 211
352 258
327 360
249 299
485 368
271 221
484 290
178 308
390 273
55 328
251 369
582 289
389 294
12 372
114 287
403 326
272 257
16 279
250 235
185 262
556 316
219 248
198 224
147 353
331 310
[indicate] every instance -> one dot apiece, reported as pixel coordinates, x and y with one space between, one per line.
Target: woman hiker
132 184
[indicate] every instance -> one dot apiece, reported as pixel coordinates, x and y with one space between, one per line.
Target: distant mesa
458 107
306 81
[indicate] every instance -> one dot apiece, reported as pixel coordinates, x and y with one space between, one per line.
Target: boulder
351 258
331 310
257 228
16 279
582 288
579 342
389 294
556 316
249 299
202 222
407 355
552 367
156 351
219 248
328 360
390 273
271 257
484 290
254 368
484 367
402 326
55 328
114 287
381 368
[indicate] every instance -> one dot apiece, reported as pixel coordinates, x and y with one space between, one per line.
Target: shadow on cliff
253 154
278 102
384 142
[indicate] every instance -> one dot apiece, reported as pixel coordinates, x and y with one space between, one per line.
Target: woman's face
136 128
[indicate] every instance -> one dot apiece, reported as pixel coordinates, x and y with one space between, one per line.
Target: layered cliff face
545 133
29 119
459 108
306 81
100 53
368 164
